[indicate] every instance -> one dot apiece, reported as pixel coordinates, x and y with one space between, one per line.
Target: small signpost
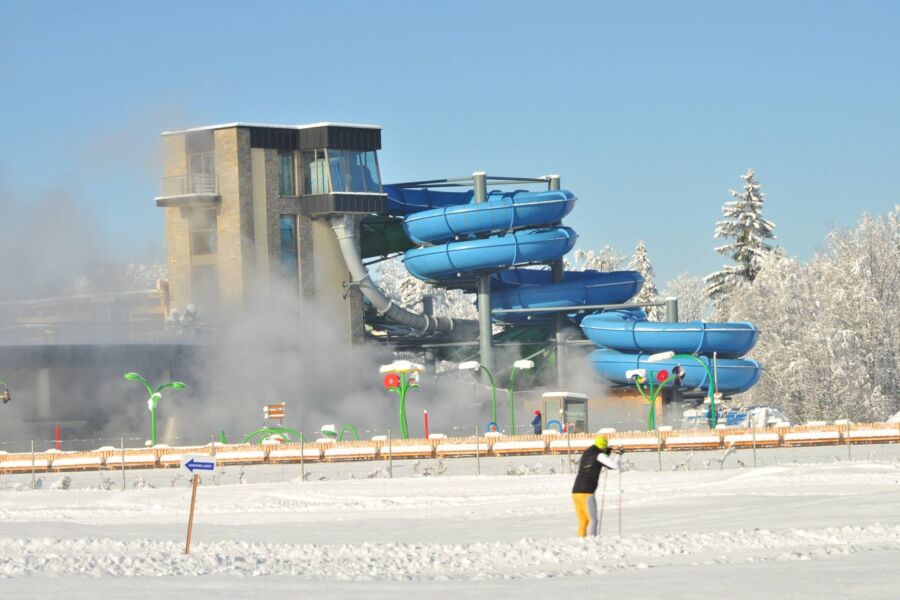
194 463
274 412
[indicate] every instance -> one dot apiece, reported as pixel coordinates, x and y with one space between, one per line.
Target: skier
597 456
536 423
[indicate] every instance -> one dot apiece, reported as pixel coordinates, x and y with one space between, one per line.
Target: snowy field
788 531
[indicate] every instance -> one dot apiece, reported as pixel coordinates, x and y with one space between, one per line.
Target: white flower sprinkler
400 376
154 399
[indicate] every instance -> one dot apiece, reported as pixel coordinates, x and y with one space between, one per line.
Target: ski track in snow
525 558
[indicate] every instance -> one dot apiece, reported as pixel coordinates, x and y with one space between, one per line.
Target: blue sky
649 111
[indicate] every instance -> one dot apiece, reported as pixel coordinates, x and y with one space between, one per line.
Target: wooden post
753 433
390 457
187 546
123 463
302 463
849 453
477 454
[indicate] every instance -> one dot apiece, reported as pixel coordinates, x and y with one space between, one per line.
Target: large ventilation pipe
346 229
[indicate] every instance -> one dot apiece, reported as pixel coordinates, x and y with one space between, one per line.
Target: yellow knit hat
601 442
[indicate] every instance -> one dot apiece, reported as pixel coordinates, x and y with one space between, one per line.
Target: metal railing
182 185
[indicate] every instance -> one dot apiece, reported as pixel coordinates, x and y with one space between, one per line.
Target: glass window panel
354 171
203 232
286 173
290 267
315 172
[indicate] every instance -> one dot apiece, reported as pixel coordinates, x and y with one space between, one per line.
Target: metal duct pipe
346 229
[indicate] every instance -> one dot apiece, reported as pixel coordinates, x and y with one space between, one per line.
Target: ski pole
602 501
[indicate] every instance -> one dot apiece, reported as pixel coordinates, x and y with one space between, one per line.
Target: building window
203 232
205 286
201 173
354 171
286 174
315 172
290 267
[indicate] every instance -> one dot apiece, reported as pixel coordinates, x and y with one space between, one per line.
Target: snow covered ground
798 531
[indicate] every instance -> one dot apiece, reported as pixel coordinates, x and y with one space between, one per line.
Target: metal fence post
302 463
477 454
753 433
658 451
123 463
390 456
32 465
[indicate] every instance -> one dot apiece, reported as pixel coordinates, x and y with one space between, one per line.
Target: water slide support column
558 270
672 317
672 310
485 327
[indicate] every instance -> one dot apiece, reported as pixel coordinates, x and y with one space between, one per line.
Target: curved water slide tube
629 331
733 375
626 339
508 230
346 229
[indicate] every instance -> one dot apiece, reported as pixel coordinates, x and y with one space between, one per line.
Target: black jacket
588 471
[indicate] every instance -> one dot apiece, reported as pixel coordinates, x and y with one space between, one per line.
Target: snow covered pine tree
641 263
745 225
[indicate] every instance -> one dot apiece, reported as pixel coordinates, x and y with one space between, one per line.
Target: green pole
153 426
711 388
404 429
493 394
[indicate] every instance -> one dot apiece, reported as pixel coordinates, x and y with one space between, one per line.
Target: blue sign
204 464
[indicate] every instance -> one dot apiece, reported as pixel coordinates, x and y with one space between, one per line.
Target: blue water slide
626 331
579 288
509 229
406 201
733 375
445 261
501 212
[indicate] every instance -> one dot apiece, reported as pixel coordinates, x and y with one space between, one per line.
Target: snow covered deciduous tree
393 278
640 262
829 343
748 230
693 305
607 259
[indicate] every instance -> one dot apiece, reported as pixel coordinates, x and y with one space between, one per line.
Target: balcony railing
183 185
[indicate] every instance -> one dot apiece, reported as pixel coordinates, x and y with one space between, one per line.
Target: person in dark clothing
592 462
536 423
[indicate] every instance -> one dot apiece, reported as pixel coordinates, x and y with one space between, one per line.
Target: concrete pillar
485 332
